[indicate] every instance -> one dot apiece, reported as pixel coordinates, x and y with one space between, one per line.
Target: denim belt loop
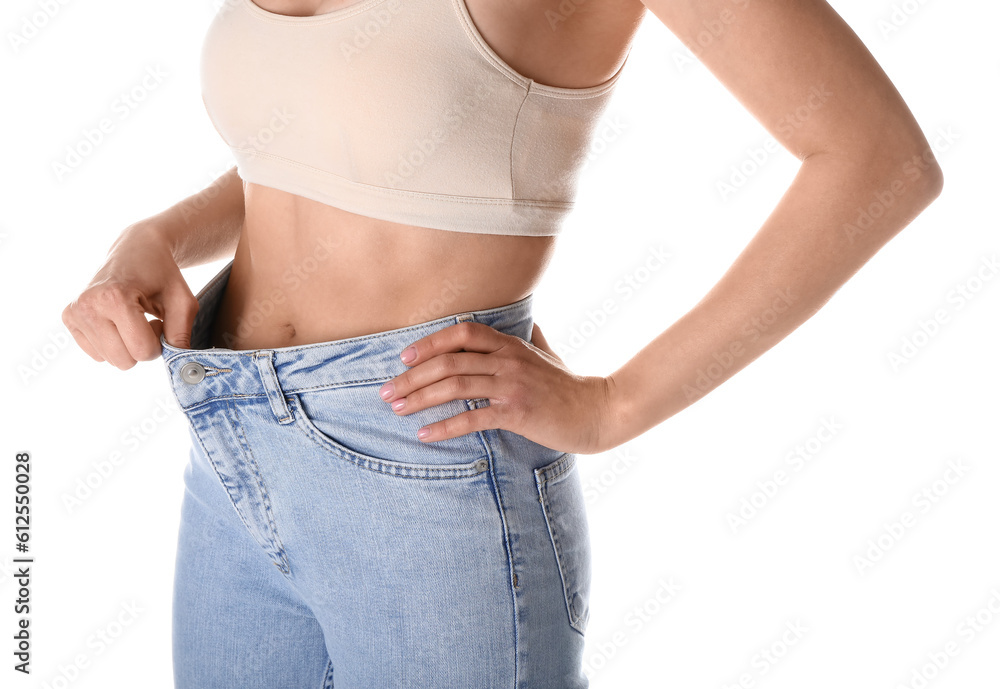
462 317
265 365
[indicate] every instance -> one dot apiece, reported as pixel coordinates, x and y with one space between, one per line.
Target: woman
382 488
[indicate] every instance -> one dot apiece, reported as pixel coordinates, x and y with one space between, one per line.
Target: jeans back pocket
561 495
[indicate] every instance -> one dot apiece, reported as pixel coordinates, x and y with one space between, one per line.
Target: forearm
201 228
809 246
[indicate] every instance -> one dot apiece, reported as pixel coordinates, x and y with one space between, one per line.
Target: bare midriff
306 272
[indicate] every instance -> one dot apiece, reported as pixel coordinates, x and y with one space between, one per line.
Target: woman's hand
530 389
140 276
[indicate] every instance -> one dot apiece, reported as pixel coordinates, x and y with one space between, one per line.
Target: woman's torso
306 272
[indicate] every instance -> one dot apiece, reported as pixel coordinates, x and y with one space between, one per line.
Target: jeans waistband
202 373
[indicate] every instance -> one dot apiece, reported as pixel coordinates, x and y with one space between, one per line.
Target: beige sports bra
397 110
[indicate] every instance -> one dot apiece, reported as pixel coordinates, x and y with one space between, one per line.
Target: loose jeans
323 545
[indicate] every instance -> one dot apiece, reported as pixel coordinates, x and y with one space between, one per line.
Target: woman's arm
867 171
141 275
202 228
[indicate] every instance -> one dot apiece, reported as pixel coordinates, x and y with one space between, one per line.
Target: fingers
90 330
135 334
109 323
466 422
451 388
436 369
469 336
180 309
84 342
157 325
109 343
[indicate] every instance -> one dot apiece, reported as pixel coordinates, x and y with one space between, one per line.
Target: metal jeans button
192 372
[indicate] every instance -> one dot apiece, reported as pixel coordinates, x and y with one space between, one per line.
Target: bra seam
465 19
480 200
513 139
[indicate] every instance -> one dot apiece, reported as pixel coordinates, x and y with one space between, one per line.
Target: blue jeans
323 545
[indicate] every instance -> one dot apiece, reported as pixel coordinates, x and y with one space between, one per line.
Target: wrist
614 429
146 233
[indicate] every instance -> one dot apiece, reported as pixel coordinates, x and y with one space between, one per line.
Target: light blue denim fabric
322 545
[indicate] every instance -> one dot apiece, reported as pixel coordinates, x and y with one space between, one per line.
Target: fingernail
408 355
423 432
399 404
387 391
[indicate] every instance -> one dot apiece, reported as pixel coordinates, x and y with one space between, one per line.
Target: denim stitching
235 395
433 473
558 468
543 477
274 381
328 675
222 481
557 548
289 391
380 466
498 501
248 455
342 384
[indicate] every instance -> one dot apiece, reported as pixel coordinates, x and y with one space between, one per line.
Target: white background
661 503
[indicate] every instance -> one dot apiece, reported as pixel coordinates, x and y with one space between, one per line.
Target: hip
328 392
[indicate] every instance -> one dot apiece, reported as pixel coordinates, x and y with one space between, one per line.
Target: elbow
922 170
911 161
902 161
903 142
910 171
929 182
923 182
937 183
920 179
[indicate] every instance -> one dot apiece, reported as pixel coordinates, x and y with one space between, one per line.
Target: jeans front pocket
561 496
354 424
